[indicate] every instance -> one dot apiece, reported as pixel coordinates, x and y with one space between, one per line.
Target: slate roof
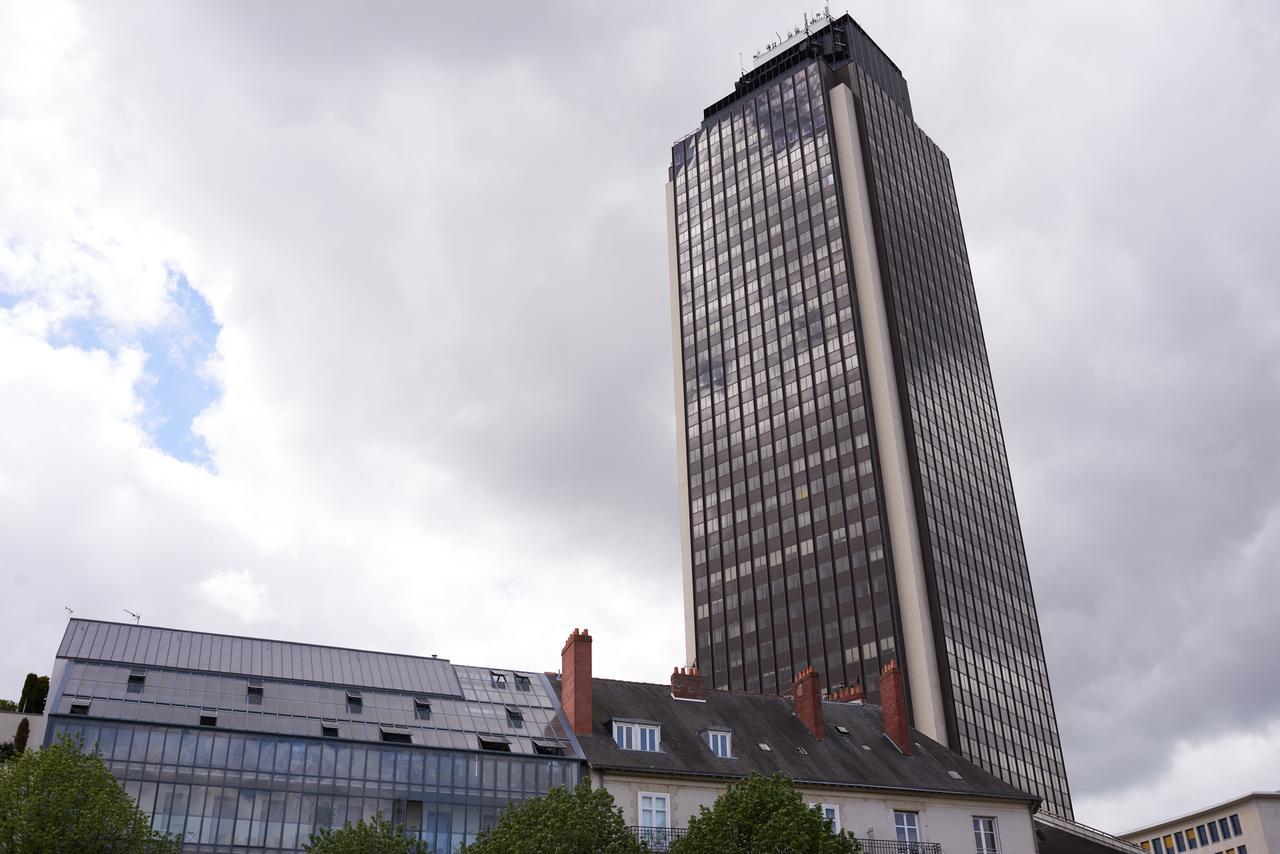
863 758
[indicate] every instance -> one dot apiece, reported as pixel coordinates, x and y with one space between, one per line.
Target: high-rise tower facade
843 472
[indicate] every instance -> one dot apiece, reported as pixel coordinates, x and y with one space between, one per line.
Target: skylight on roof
842 730
764 746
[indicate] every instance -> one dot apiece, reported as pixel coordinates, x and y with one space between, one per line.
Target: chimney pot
686 684
893 704
575 684
807 692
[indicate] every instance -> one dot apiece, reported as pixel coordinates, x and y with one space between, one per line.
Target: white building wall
945 820
1259 823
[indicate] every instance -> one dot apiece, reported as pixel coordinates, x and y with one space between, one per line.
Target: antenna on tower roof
137 618
70 613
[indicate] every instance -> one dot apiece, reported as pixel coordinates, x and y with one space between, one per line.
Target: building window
984 835
831 812
396 735
515 717
906 826
1157 845
547 748
499 745
355 701
636 736
1235 824
253 691
654 810
208 719
498 680
1204 837
1225 827
422 708
329 729
1213 831
1177 838
1243 849
80 707
721 743
522 682
137 679
1191 838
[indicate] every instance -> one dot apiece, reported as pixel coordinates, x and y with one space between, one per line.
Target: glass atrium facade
788 562
248 745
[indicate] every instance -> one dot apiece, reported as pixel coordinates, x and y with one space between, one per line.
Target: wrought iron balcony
658 838
889 846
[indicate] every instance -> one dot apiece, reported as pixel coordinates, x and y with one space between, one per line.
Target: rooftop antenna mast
70 613
137 618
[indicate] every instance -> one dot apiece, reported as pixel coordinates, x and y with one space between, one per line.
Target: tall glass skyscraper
842 465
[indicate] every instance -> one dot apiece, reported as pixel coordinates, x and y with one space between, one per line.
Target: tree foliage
21 735
61 799
8 706
377 836
584 821
763 814
35 690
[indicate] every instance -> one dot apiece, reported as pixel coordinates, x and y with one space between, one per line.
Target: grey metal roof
149 646
863 757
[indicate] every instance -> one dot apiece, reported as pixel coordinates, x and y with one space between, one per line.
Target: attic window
764 746
523 683
842 730
501 745
208 719
137 679
499 680
720 741
355 701
955 775
548 748
422 708
396 735
329 729
253 691
80 707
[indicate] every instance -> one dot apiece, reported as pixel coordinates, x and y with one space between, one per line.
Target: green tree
377 836
61 799
763 814
584 821
7 752
35 690
21 735
8 706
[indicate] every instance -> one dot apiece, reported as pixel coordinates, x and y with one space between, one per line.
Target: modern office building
238 744
1249 824
842 465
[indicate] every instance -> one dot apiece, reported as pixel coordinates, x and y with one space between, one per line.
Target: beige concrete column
878 373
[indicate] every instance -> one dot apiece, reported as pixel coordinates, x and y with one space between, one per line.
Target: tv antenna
137 618
70 613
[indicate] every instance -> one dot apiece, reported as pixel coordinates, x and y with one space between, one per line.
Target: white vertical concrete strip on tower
682 456
904 534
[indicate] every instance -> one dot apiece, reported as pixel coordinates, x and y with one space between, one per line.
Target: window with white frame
832 813
906 825
721 743
654 810
634 736
984 835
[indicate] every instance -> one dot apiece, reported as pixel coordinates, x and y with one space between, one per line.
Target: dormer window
637 736
498 680
720 742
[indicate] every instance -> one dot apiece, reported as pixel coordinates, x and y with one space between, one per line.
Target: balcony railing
658 838
889 846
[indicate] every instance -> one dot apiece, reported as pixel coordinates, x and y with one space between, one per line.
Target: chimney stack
808 701
687 684
575 681
848 695
893 703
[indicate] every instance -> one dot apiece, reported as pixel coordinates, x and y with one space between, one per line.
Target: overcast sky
348 323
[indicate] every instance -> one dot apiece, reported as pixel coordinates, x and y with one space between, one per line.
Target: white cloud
237 592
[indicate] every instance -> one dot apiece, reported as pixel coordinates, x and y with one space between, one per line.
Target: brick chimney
808 701
575 681
687 684
893 702
848 695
